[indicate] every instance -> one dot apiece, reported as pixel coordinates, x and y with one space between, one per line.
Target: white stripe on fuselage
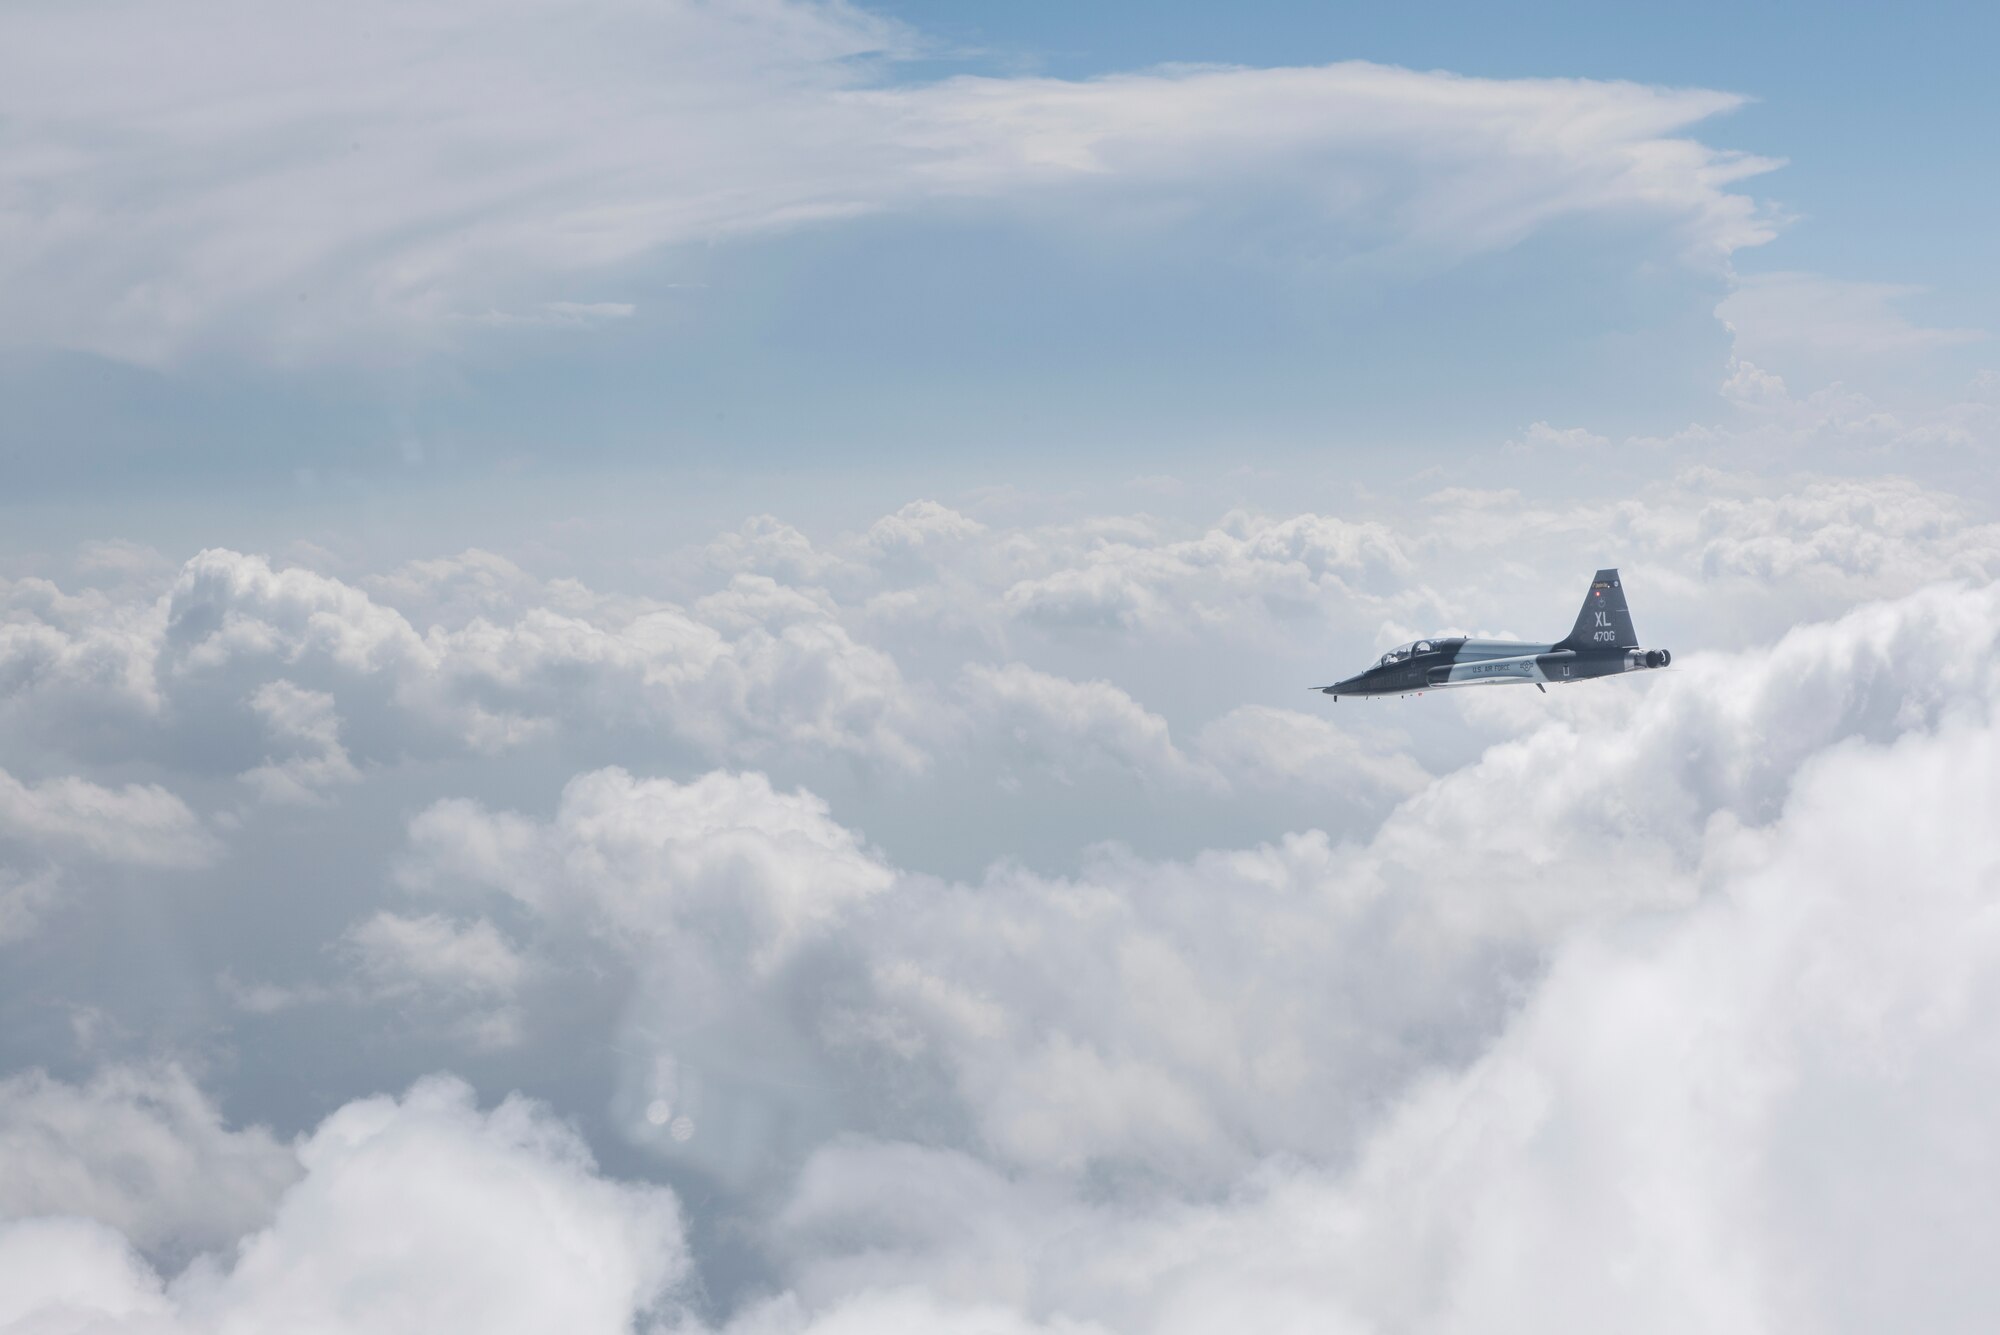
1495 672
1515 669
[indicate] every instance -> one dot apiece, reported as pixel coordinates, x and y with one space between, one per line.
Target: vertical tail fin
1605 622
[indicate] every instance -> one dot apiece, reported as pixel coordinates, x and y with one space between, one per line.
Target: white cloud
1749 385
1883 531
1838 420
453 590
66 1276
137 824
356 182
1644 976
1001 651
468 973
1542 435
399 951
24 898
904 1311
77 662
1828 324
1684 1098
735 871
1183 1018
1732 556
414 1214
227 605
1145 1003
920 525
1759 1108
1267 748
308 722
560 654
1133 576
766 545
1063 727
140 1149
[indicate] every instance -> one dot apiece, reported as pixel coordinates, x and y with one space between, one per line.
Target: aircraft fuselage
1432 665
1601 644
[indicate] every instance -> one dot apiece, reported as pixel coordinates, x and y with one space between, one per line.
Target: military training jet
1600 644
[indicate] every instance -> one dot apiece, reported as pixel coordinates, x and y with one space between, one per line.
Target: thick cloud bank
1763 1111
412 1214
1188 1019
1651 1004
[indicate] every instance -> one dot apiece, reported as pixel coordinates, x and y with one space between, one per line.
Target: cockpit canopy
1402 652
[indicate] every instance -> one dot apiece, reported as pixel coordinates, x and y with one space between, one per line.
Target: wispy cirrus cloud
360 182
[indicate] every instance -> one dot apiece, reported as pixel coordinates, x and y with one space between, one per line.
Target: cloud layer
920 959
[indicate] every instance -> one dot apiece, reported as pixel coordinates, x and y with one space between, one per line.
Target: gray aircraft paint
1602 643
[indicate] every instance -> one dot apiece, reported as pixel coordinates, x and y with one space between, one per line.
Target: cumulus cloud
1268 748
468 973
1189 1017
410 1214
775 679
142 1150
766 545
1627 979
69 1275
307 722
1734 556
1135 576
309 186
742 871
24 898
1060 726
921 525
76 666
1760 1109
1881 532
136 824
775 648
399 950
924 642
1072 1021
454 590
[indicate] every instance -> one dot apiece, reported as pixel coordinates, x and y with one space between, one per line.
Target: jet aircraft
1601 644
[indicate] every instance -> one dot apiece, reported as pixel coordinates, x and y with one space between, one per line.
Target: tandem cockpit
1403 653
